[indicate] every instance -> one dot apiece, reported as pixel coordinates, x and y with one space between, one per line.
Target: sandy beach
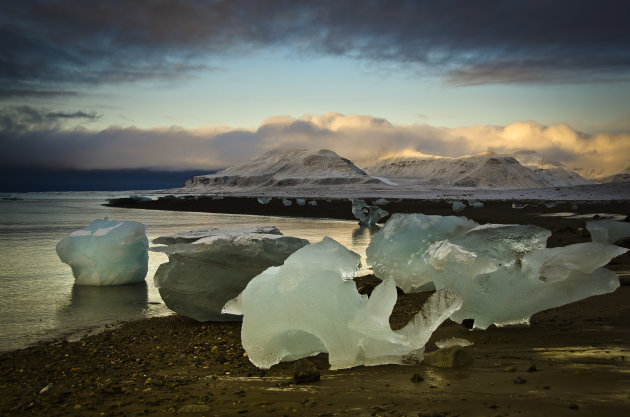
573 360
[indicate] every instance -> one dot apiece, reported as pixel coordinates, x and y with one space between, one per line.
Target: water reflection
364 233
91 304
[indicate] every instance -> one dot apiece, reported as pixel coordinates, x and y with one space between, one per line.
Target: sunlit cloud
361 138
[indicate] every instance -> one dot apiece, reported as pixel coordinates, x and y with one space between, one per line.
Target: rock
194 408
510 368
468 323
47 388
450 357
417 378
532 368
305 371
520 380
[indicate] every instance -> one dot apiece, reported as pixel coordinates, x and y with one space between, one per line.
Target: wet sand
571 361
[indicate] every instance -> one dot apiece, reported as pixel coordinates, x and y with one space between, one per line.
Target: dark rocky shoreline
573 360
493 211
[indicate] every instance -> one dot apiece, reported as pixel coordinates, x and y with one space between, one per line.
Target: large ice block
309 305
502 288
397 251
106 253
202 275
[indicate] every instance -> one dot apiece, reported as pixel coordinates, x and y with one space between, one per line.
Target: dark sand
169 365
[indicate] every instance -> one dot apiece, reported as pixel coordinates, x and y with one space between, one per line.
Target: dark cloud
56 43
26 118
16 93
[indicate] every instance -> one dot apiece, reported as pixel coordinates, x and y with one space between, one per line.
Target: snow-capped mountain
287 168
524 169
303 169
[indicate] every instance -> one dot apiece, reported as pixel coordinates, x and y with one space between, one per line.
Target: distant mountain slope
484 170
288 168
553 172
298 163
623 176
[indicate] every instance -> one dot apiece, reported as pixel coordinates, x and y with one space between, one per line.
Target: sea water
38 298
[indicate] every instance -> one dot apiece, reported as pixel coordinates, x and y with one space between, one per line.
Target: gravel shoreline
175 366
572 360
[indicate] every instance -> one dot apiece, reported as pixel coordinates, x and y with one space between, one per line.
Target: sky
201 85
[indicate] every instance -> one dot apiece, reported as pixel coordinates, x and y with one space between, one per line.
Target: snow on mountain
287 168
524 169
552 172
623 176
303 169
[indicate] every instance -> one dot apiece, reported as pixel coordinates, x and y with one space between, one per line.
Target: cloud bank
53 46
361 138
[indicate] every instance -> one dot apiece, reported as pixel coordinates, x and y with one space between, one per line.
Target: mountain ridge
292 168
325 168
523 169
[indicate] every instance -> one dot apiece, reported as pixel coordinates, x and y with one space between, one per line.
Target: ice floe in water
397 251
264 200
106 253
207 267
310 305
365 213
458 206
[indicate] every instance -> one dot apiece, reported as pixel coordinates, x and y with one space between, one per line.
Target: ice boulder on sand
310 305
106 253
207 267
396 251
505 273
503 292
366 214
608 231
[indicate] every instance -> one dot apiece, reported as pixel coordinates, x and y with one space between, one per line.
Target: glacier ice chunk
499 288
309 305
504 273
608 231
458 206
506 243
106 253
365 213
557 264
397 250
207 267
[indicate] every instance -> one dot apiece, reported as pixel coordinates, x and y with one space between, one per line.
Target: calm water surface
38 298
